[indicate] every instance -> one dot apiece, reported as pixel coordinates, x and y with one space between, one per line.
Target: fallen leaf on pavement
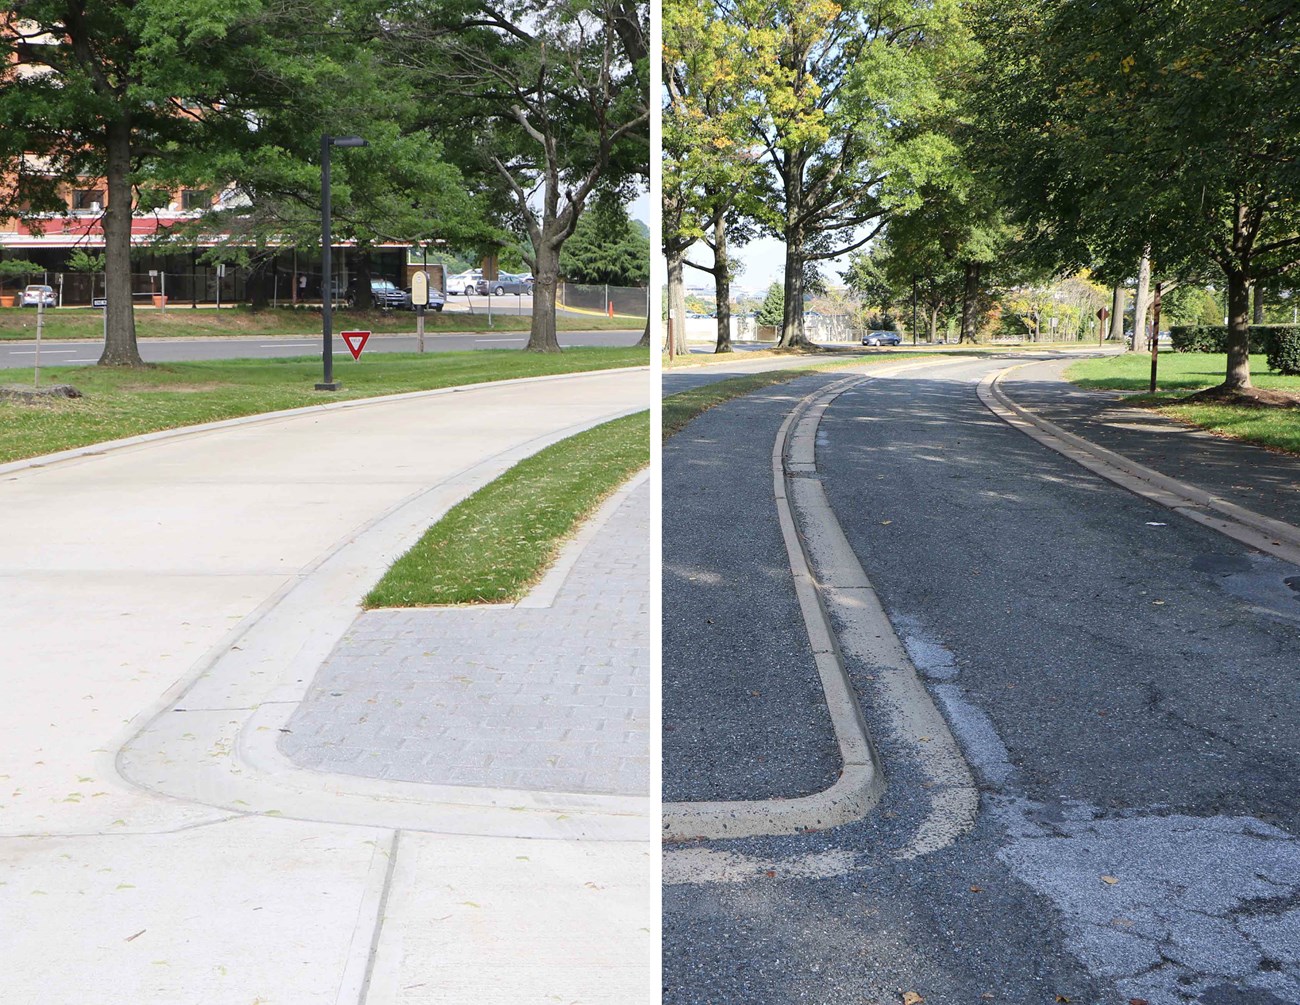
1062 998
912 998
977 889
886 523
1110 880
771 874
1138 1001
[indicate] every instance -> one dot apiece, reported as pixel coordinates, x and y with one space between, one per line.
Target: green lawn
182 322
1180 374
495 545
120 402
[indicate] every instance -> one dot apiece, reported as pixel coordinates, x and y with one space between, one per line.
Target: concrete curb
841 586
96 449
229 757
1255 530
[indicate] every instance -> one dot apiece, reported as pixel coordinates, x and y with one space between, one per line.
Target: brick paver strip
548 699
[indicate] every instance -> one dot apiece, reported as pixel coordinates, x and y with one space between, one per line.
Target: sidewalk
1260 480
161 606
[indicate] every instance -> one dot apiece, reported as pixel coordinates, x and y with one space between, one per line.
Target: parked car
466 282
882 338
384 292
36 295
508 282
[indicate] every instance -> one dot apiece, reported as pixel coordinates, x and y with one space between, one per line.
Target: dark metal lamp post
326 266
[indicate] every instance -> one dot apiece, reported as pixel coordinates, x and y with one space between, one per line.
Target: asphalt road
1127 704
23 354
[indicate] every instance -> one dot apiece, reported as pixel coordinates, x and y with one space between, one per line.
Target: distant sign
420 289
99 302
355 341
1103 314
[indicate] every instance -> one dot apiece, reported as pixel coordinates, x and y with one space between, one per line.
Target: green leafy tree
772 313
850 101
143 94
607 247
558 91
1164 134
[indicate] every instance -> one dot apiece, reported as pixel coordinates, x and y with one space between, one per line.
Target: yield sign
356 341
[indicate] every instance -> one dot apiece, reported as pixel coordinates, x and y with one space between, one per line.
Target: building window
88 199
196 198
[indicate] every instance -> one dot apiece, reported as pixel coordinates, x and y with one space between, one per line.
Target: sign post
40 324
420 301
1155 337
1102 315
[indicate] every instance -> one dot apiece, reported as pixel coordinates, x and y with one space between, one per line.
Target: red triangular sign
356 341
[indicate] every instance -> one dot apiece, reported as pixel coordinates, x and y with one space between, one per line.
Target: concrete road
1121 681
162 597
23 354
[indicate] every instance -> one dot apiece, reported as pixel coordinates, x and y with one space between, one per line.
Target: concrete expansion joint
1265 534
815 540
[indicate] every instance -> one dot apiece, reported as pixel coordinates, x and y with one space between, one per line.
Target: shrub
1199 338
1214 338
1282 343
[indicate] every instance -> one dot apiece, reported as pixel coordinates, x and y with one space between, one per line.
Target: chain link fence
625 301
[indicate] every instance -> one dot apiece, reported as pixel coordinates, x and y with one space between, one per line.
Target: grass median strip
128 402
495 545
1181 374
182 322
680 408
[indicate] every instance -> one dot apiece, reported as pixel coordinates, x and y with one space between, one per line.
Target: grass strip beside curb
680 408
1181 374
121 402
495 545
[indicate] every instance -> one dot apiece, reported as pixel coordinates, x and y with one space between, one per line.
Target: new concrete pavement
1121 681
163 609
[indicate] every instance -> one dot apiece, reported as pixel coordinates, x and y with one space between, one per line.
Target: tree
559 93
710 170
849 97
772 313
1173 143
138 93
607 247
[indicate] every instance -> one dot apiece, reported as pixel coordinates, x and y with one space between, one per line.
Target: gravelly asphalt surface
743 711
1128 697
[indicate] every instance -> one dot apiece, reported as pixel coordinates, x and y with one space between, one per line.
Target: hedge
1214 338
1283 347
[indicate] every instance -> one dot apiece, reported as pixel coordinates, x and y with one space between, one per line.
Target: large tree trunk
546 276
256 285
968 302
1141 304
1117 313
364 295
722 282
792 335
933 323
120 348
1258 290
1238 375
677 299
644 341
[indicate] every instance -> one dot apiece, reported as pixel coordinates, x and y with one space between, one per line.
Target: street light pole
326 266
